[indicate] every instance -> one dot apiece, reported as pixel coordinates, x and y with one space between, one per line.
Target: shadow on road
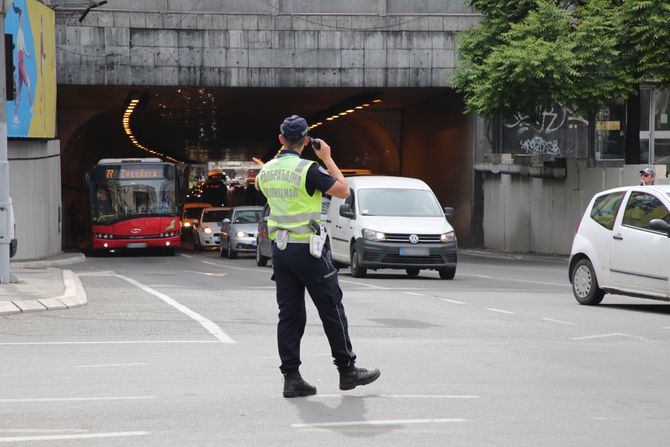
660 309
349 412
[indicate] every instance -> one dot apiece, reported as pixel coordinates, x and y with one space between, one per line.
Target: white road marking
665 327
76 399
614 334
493 309
43 430
231 267
369 286
106 365
452 301
518 280
399 396
127 342
551 320
185 255
119 434
98 273
209 325
414 294
380 422
205 273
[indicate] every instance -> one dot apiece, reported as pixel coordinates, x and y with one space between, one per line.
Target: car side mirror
660 225
225 221
346 211
266 218
448 212
195 221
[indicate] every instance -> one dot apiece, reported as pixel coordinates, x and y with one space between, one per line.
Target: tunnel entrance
415 132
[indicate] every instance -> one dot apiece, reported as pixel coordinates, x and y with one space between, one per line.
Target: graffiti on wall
558 131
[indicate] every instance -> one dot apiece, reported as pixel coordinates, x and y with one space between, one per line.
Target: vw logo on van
413 238
136 230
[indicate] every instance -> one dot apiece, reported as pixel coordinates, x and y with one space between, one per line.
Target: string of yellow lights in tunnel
332 117
130 109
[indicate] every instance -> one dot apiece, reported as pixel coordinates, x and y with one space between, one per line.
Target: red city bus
134 204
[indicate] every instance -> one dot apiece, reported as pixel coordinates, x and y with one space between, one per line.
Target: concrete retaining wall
528 214
35 188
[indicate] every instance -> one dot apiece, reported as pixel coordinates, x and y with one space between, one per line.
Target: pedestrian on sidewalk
647 176
293 187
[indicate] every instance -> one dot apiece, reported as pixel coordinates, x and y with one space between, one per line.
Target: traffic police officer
293 187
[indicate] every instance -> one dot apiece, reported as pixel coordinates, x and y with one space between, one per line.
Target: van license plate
414 251
137 245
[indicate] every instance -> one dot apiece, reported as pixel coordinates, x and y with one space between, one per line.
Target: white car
622 245
206 231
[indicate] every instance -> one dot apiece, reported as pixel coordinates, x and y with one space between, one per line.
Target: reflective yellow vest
282 181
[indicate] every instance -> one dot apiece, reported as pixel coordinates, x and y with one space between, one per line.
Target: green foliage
530 54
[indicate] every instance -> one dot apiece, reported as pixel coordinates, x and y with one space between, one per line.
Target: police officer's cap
294 128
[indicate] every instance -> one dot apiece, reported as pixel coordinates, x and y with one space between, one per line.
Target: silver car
238 230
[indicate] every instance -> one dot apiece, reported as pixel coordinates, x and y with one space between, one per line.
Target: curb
514 256
74 296
73 258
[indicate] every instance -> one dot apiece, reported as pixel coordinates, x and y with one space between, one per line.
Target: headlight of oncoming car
187 224
241 234
448 237
372 235
208 230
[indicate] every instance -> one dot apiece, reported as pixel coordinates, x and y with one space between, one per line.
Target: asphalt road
181 351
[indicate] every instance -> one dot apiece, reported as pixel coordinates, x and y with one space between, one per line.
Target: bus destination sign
133 172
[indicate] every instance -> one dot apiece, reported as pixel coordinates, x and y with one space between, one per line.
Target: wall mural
32 113
559 132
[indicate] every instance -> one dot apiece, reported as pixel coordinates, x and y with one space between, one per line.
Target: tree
531 54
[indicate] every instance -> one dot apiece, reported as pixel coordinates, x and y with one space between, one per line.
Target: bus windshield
114 200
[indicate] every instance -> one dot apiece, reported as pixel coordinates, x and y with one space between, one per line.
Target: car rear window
605 209
214 216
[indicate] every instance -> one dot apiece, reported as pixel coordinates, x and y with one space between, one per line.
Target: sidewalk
42 285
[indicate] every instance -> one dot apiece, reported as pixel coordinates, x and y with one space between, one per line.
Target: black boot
295 386
351 377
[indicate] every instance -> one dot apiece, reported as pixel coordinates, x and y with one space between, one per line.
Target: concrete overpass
216 78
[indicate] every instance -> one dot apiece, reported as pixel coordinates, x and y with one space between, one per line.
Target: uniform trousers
295 269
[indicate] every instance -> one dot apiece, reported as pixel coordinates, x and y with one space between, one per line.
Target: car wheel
585 284
447 273
232 254
261 260
412 271
196 242
356 270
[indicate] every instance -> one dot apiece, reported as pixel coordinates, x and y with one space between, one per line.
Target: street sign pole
4 164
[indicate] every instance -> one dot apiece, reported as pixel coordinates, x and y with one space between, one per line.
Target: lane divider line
502 311
551 320
119 434
379 422
209 325
452 301
76 399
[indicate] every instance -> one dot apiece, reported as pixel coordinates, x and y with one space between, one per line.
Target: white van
391 223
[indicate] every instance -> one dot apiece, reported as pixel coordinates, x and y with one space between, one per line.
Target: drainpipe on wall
4 164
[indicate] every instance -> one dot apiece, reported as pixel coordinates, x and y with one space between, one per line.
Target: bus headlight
372 235
448 237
